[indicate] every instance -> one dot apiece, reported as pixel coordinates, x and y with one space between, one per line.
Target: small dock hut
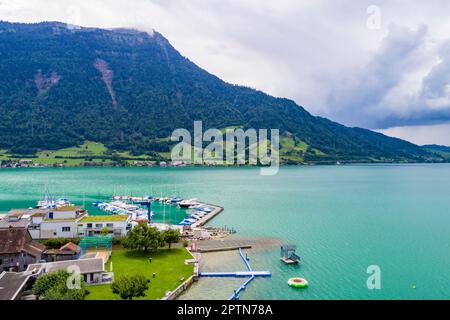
288 254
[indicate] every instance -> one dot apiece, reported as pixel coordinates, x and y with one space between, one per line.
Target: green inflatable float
298 283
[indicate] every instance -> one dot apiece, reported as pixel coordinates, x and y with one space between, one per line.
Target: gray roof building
94 265
12 284
15 220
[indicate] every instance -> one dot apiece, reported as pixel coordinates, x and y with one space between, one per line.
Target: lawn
88 149
167 264
76 156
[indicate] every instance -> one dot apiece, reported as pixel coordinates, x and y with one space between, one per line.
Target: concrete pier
201 222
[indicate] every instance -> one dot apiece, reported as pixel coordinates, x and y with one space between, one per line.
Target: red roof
17 240
70 247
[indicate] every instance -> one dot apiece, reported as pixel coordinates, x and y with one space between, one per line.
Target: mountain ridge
129 90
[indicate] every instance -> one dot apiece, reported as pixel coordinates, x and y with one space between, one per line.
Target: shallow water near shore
342 218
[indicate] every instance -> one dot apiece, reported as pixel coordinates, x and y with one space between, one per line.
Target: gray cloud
358 96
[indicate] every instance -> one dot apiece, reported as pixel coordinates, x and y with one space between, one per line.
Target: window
99 225
65 229
89 225
110 225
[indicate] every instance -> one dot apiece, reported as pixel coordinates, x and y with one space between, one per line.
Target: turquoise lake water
342 218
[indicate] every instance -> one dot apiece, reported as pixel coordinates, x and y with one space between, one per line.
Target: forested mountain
128 90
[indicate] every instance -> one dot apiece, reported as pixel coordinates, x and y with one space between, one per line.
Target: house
15 219
91 269
65 222
117 225
69 251
18 249
25 163
58 222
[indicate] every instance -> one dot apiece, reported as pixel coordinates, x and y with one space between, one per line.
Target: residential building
15 219
18 249
117 225
65 222
92 269
69 251
56 223
13 284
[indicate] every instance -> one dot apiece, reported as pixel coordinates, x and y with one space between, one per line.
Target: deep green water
342 218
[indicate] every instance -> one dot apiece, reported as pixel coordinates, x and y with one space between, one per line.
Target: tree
129 287
143 237
171 236
53 286
105 231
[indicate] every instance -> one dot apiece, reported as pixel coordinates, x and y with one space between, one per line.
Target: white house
117 225
65 222
56 223
91 269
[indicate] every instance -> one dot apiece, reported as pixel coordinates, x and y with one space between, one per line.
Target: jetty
236 274
250 273
201 222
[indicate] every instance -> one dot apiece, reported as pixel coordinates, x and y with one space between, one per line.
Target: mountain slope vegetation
129 90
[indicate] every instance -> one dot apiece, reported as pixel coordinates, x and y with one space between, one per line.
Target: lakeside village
29 163
43 245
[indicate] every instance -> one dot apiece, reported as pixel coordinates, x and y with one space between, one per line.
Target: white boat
188 203
125 206
50 202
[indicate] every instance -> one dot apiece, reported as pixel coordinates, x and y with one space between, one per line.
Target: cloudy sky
381 65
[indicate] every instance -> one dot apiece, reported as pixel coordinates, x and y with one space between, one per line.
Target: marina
197 214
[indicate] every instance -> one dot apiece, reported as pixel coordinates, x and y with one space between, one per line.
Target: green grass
105 218
167 264
293 150
88 150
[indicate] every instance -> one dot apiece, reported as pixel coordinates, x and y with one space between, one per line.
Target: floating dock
239 274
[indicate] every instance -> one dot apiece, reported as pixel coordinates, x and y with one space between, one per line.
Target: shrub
53 286
56 243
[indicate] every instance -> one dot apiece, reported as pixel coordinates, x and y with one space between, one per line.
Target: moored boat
188 203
